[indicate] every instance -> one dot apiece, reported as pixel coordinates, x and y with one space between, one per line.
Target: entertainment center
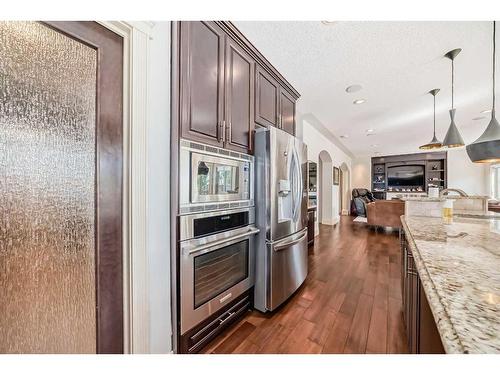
408 174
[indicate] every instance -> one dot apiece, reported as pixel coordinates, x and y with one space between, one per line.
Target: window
495 181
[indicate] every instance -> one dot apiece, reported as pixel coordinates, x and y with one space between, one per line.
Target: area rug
360 219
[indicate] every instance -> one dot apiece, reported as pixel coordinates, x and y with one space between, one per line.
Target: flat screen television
405 176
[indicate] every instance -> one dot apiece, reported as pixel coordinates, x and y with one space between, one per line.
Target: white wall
316 142
466 175
158 236
361 173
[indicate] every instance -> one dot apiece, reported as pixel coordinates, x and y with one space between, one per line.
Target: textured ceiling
397 63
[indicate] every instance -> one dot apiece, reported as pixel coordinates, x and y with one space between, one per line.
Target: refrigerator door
288 266
286 183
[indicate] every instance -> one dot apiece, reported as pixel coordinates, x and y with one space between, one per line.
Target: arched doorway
345 189
325 189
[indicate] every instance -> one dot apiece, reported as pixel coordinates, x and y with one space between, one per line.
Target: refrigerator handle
286 245
298 186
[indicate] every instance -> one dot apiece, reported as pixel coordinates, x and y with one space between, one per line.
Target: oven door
213 274
217 179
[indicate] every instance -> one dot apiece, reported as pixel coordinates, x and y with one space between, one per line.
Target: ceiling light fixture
453 137
434 143
359 101
353 88
486 149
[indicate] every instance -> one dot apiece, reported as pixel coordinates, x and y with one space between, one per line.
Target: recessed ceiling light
359 101
353 88
479 118
344 136
486 111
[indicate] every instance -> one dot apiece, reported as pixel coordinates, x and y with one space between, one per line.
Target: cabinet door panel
267 94
202 77
287 112
240 68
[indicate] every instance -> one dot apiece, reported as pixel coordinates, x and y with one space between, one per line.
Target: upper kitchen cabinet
226 86
266 103
287 112
202 82
240 75
274 105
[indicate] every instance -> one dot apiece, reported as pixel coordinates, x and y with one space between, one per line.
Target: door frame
136 289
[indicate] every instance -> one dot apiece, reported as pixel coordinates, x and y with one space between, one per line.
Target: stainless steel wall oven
217 259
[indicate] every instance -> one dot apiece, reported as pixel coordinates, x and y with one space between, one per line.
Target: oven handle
289 244
221 242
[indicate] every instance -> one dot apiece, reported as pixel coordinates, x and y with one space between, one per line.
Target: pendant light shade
486 149
453 137
434 143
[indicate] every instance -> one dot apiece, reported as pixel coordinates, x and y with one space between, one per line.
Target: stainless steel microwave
212 178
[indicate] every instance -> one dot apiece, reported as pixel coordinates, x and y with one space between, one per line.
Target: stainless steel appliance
281 215
212 178
217 261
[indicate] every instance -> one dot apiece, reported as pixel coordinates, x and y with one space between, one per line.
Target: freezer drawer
288 265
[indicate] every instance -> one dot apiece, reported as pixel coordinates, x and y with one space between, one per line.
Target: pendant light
486 149
453 137
434 143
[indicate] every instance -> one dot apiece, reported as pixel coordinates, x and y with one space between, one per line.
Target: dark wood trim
109 178
238 36
174 178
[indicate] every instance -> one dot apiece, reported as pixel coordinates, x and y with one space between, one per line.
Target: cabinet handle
228 132
220 134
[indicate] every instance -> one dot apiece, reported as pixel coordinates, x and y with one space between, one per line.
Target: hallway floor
349 303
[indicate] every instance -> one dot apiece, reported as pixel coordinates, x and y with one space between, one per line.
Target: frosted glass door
47 191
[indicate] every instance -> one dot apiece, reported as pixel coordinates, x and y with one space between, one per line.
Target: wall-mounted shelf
430 160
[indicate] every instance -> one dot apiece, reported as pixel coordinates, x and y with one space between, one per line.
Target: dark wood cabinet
421 330
274 105
226 87
202 82
287 112
217 81
310 226
240 75
266 101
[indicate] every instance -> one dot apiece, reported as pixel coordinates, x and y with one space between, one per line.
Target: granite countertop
459 267
423 199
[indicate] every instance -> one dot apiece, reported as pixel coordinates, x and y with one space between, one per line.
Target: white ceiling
397 63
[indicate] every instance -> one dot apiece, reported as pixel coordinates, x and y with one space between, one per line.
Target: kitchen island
457 267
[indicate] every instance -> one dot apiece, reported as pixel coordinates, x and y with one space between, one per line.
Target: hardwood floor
349 303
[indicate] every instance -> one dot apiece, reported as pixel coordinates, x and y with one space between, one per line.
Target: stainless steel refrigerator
281 216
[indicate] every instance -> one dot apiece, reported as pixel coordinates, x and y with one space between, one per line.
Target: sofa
384 213
360 198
